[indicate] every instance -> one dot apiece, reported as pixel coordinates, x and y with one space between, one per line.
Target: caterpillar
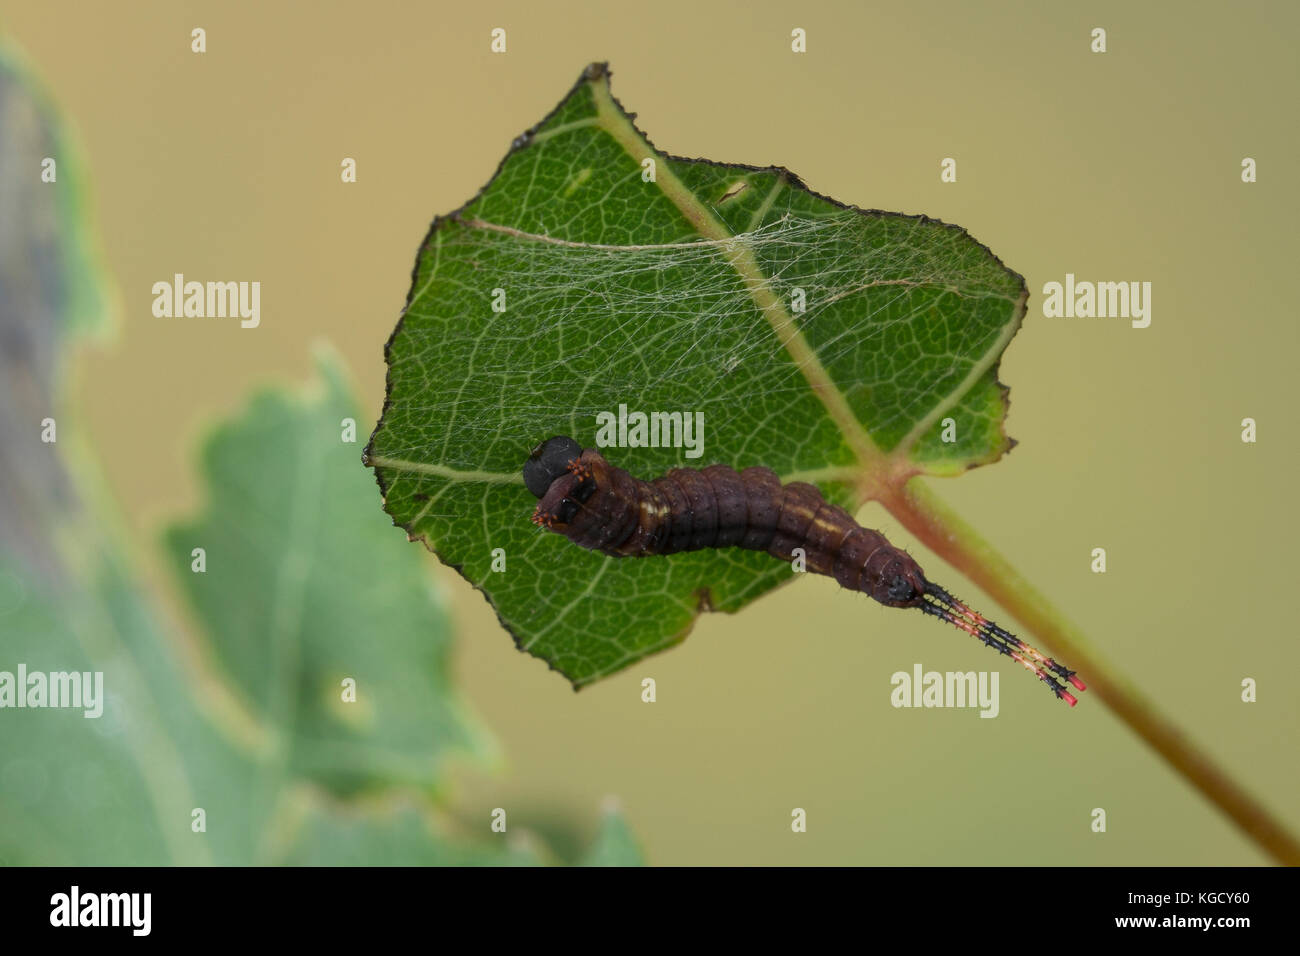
603 508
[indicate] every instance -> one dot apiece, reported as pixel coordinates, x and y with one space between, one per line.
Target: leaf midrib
615 122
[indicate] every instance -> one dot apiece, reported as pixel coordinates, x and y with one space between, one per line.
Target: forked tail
945 607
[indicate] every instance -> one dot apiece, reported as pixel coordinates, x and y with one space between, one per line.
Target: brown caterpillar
603 508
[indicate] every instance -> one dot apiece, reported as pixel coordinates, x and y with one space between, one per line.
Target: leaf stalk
949 536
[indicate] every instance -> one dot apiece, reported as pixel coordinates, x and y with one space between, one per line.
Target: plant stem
940 529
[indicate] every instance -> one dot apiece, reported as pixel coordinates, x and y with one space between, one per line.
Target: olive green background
1122 166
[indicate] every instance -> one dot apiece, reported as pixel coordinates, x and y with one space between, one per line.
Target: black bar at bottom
573 906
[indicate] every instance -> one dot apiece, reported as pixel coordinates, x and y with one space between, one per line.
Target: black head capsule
549 461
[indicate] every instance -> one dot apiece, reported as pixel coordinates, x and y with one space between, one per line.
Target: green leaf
117 789
679 294
243 723
304 584
615 843
72 790
322 600
394 833
211 727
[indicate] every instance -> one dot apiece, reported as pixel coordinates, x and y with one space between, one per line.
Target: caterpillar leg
939 603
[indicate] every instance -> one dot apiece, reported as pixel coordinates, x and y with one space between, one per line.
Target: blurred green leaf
99 791
304 590
72 790
821 340
615 843
399 834
305 586
205 727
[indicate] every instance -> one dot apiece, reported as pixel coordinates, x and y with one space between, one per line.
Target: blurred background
1119 166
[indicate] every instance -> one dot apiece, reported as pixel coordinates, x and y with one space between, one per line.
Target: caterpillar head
560 474
548 461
